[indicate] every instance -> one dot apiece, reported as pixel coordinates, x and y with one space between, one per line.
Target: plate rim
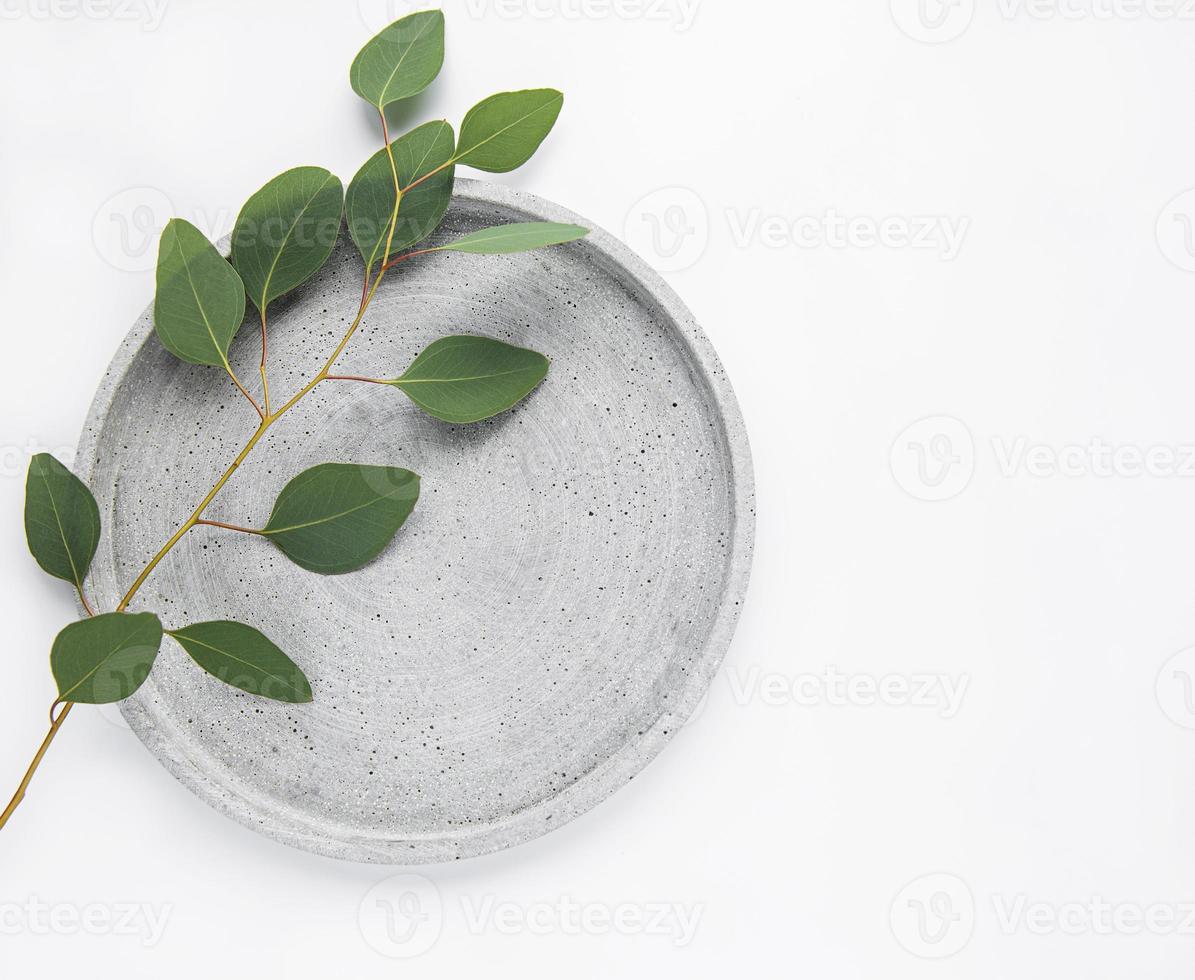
268 816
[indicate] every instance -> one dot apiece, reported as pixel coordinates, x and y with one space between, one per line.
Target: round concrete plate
551 613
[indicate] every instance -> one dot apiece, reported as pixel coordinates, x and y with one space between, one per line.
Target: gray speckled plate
553 610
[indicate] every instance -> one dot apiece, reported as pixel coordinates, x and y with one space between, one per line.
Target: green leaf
286 231
468 379
502 132
200 302
337 517
401 60
241 656
370 199
62 520
106 658
515 237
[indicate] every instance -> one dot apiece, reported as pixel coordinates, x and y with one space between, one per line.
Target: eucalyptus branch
241 388
337 517
265 378
266 424
397 188
355 377
229 527
29 773
429 175
408 255
194 520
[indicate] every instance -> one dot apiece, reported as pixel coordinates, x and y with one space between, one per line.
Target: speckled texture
553 610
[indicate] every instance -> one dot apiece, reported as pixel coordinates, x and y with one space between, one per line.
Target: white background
1028 548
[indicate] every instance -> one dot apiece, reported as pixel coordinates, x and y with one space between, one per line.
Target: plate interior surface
552 611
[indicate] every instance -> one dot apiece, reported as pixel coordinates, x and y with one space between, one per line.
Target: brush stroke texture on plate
549 616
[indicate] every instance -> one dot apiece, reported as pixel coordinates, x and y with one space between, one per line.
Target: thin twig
397 185
410 255
20 793
355 377
429 174
241 388
265 380
230 527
